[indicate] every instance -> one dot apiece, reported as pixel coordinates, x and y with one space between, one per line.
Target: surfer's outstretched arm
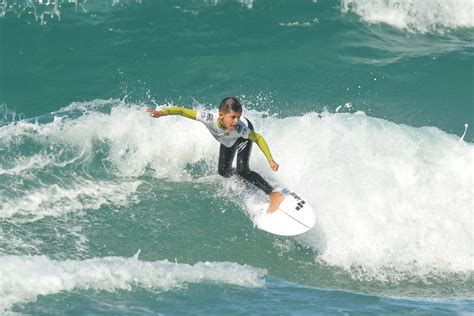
262 144
175 110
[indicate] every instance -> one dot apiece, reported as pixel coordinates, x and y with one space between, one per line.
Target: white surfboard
293 217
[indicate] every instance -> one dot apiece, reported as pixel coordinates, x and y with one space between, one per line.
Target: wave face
385 215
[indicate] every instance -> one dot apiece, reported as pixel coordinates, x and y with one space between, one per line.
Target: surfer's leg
244 148
243 155
226 156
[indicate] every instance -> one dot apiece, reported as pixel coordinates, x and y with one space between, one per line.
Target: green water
106 211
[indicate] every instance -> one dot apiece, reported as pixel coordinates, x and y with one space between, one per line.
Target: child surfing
236 134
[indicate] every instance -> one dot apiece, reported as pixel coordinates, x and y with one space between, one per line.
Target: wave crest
421 16
24 278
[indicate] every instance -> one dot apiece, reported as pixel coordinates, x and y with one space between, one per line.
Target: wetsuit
232 142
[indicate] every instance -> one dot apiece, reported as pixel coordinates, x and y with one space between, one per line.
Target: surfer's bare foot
275 200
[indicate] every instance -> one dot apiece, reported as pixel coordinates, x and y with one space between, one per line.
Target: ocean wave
45 10
419 16
392 200
61 199
24 278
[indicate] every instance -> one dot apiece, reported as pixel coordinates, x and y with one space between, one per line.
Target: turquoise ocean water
367 106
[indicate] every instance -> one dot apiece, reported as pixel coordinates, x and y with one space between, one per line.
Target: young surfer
234 133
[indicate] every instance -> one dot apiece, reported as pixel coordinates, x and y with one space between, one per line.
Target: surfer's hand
154 113
274 165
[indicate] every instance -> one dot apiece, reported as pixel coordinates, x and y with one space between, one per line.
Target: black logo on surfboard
300 203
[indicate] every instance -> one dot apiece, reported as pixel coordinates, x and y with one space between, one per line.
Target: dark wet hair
230 104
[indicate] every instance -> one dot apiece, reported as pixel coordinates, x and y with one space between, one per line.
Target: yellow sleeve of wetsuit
262 144
177 110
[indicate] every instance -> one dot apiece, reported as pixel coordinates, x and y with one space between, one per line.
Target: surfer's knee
244 171
226 173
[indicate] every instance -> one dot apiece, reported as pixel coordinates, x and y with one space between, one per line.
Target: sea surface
367 106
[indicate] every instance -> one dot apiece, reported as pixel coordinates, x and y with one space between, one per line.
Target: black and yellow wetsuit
232 142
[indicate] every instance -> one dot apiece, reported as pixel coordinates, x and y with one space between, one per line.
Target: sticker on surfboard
293 217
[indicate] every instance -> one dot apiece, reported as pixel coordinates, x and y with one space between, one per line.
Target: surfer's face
230 119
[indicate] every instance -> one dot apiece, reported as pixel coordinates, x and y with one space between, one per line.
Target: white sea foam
247 3
25 278
46 10
300 24
57 144
388 197
57 200
26 163
416 15
134 144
